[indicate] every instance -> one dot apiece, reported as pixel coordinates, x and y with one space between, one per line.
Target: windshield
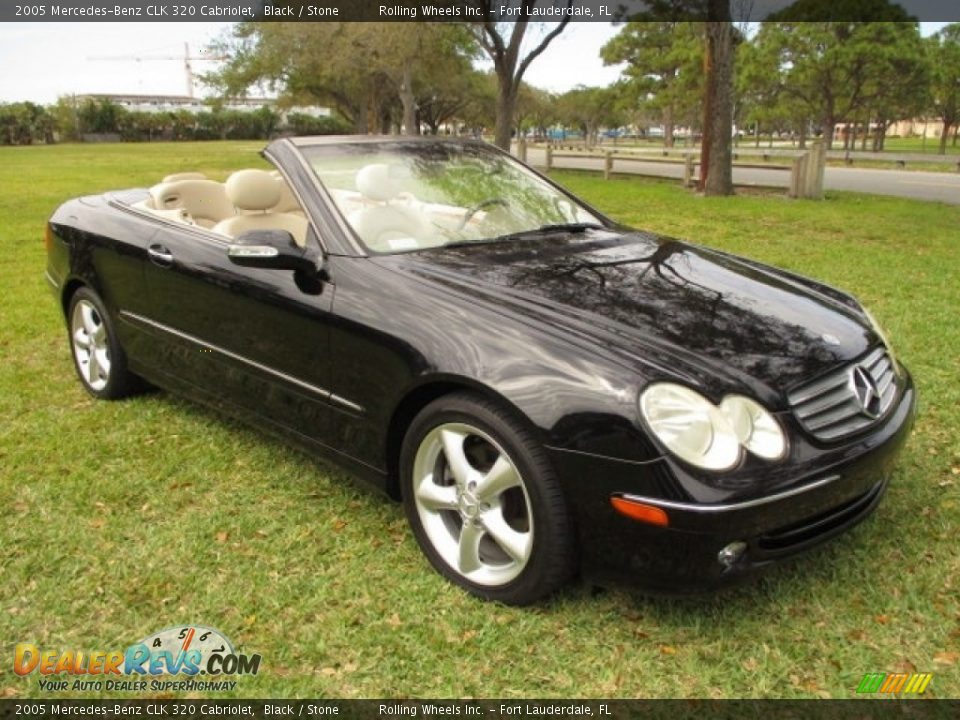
402 196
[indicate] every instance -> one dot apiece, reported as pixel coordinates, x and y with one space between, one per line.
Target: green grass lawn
125 518
920 145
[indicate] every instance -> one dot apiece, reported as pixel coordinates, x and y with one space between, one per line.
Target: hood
674 305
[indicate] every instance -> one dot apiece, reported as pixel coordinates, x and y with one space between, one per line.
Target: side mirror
272 249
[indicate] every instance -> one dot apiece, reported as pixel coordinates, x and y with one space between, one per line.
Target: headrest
378 182
253 189
177 192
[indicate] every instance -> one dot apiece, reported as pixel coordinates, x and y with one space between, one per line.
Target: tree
900 86
664 67
364 70
944 52
763 101
24 123
832 69
505 52
589 109
417 59
716 163
66 118
536 109
101 116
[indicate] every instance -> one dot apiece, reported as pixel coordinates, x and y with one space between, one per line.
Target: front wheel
483 501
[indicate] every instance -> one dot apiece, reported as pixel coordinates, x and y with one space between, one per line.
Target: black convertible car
548 393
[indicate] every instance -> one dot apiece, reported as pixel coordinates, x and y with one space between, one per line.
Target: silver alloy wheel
91 347
473 504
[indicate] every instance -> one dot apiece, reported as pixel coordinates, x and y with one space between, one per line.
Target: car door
248 339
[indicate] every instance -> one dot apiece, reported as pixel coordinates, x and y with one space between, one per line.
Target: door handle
159 255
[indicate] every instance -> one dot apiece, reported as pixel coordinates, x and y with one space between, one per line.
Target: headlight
690 426
756 429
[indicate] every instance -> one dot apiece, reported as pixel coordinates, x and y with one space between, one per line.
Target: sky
41 61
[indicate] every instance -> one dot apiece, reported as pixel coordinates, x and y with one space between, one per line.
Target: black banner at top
473 10
321 709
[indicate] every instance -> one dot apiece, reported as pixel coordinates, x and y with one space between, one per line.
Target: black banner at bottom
872 709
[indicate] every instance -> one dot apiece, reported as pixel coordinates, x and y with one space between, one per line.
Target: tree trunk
506 101
866 134
359 117
409 102
879 134
668 126
828 126
717 164
943 139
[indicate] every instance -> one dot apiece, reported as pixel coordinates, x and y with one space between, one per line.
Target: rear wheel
484 503
97 356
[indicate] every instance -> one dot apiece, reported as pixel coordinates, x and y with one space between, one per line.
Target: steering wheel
489 202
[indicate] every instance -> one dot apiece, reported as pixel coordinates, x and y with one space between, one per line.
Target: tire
97 356
484 503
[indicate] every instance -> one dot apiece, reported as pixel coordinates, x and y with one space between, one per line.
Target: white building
173 103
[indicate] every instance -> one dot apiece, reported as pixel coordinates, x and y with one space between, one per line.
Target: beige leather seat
387 225
288 201
256 192
205 201
184 176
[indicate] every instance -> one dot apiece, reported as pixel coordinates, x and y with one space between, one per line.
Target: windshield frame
394 142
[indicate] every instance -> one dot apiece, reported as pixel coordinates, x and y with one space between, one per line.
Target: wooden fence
805 167
850 157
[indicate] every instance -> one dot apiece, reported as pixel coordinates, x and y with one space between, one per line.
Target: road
917 185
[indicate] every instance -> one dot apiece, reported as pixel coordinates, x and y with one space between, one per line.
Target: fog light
731 553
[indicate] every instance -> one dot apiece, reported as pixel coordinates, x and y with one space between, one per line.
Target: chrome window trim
323 393
345 229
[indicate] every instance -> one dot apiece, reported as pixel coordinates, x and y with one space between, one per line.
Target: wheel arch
70 288
421 395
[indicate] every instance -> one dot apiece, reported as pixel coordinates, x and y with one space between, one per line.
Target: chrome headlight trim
757 429
690 426
707 436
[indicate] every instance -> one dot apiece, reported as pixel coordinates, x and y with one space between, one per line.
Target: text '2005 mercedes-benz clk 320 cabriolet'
547 392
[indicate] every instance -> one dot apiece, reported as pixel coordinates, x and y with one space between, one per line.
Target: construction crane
186 58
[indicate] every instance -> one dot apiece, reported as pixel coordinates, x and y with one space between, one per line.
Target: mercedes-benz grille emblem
866 392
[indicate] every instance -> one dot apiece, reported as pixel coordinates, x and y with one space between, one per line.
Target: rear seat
184 176
205 201
193 199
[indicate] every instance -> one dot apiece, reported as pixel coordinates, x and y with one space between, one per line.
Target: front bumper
683 557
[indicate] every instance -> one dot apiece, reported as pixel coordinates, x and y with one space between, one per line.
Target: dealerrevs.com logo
191 651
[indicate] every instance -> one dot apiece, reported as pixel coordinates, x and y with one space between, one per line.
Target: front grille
847 400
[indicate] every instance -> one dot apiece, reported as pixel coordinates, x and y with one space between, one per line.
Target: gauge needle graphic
187 640
186 643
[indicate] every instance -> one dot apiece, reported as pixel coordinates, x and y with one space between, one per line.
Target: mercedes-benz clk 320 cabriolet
548 392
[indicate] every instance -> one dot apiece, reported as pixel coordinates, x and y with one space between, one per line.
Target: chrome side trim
325 394
346 403
732 507
50 280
